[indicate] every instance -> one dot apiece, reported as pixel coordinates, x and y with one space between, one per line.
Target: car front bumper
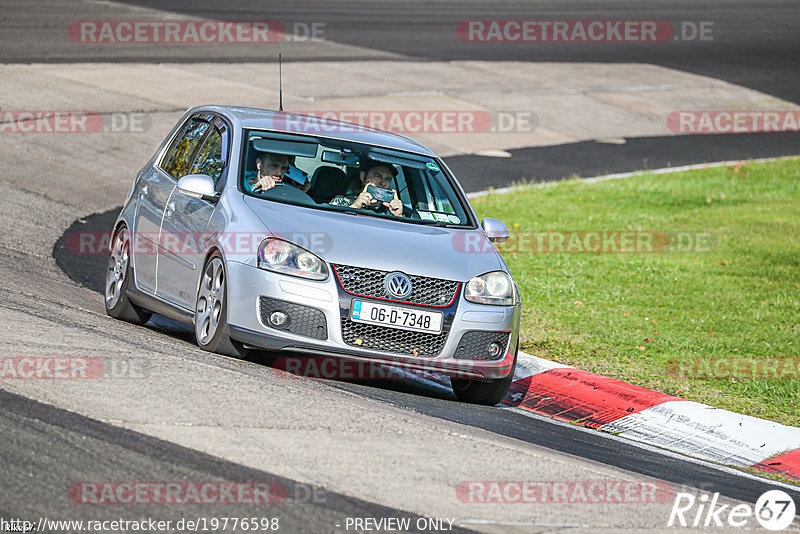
248 284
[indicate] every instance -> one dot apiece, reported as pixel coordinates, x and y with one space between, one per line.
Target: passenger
377 174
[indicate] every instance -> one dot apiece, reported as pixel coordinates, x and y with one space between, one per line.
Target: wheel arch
210 252
206 258
117 226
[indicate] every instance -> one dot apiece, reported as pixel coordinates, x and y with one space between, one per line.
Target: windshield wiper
439 224
360 213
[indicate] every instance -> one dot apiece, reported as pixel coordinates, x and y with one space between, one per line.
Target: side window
437 198
308 165
209 158
179 156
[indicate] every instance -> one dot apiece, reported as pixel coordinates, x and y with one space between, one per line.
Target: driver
270 171
377 174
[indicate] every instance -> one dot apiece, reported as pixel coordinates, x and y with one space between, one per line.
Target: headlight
283 257
491 288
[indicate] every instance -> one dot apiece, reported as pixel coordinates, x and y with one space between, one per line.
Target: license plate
396 317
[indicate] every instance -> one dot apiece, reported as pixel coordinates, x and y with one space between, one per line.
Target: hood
383 244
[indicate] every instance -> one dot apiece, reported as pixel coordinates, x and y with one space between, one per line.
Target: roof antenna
280 84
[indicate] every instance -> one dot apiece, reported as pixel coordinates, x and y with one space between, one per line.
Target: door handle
170 209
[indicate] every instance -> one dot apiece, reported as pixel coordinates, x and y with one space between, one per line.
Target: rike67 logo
774 510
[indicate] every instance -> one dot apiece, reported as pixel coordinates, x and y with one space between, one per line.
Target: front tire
211 311
488 393
118 276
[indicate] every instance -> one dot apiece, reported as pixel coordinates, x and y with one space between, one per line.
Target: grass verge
705 302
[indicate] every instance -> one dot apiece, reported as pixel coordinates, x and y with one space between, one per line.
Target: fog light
278 318
494 349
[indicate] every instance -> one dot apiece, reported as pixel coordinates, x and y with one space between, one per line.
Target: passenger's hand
364 199
395 206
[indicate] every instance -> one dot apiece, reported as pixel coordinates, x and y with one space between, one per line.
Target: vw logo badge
397 285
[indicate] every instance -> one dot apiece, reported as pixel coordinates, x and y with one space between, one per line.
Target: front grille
303 320
369 283
473 344
392 339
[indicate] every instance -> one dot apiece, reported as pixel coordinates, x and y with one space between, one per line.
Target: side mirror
198 186
495 230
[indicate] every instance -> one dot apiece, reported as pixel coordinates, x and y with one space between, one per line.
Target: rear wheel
489 393
211 311
118 275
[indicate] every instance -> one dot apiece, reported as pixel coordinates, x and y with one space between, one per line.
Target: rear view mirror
495 230
340 158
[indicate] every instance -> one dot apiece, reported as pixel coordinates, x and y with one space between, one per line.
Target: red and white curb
661 420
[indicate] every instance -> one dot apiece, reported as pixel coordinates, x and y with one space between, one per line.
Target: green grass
628 315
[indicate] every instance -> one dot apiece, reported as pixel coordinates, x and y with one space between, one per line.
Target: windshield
350 177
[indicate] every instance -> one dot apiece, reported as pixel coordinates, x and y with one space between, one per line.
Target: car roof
255 118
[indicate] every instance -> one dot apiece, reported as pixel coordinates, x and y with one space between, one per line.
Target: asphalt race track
438 402
757 46
332 451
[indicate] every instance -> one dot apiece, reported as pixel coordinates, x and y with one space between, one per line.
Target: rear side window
209 157
179 157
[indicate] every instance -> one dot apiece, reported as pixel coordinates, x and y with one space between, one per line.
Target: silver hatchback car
268 230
